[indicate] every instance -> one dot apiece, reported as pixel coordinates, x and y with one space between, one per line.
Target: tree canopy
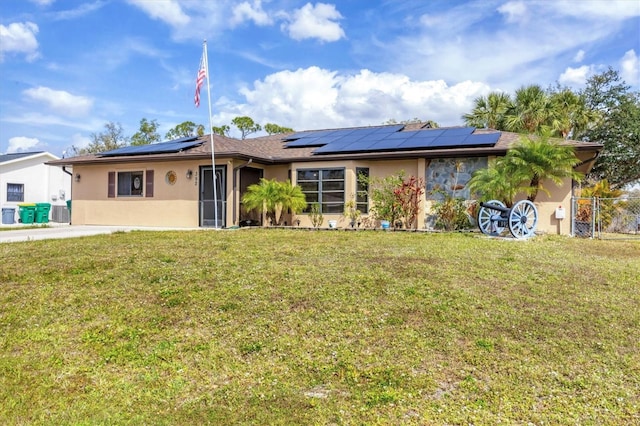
246 125
111 138
605 111
185 129
147 134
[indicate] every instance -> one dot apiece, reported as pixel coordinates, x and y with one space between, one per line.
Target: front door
208 205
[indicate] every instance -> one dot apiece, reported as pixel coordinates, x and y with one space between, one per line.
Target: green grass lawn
303 327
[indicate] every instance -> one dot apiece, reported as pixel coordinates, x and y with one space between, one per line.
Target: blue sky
68 67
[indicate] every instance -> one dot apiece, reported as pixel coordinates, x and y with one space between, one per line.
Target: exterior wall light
77 177
189 174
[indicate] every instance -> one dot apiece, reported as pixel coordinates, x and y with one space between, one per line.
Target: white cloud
81 10
630 68
22 143
575 76
168 11
579 56
42 2
532 44
315 98
315 22
59 101
514 11
20 38
246 11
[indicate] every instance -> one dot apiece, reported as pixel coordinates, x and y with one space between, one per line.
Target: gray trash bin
8 216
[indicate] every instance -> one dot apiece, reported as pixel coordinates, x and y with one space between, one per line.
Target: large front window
323 186
130 184
15 192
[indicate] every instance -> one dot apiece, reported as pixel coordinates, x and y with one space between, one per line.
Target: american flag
202 73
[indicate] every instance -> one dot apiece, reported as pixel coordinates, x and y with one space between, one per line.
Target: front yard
306 327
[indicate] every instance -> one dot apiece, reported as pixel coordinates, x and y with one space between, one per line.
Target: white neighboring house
25 178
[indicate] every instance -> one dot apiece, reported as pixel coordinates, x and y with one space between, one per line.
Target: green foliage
315 215
351 212
273 129
451 212
538 159
606 111
112 138
496 182
147 134
185 129
273 198
222 130
618 130
385 204
246 125
524 168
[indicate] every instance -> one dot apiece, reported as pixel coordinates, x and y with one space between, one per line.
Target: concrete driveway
55 230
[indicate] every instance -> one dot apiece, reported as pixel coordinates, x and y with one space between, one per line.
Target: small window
15 192
130 184
362 189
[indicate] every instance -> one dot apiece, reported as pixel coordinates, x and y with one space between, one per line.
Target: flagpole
213 156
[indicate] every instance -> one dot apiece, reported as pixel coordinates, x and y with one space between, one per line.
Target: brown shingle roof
272 150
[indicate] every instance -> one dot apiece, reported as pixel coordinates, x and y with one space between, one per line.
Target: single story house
25 178
171 183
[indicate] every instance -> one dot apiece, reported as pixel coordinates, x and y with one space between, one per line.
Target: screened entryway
209 205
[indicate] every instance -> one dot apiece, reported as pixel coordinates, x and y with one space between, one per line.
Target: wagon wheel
523 218
485 222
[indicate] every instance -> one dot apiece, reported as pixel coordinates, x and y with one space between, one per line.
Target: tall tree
112 138
185 129
148 133
531 110
570 115
618 130
489 111
246 125
273 129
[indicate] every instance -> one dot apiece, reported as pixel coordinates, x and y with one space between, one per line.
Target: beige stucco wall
174 205
177 205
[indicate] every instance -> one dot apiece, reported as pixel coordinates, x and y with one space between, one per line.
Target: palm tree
489 111
570 115
273 197
496 182
539 159
531 111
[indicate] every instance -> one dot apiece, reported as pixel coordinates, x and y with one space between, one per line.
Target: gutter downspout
64 169
235 186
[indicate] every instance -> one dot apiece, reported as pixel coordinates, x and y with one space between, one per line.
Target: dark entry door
208 205
249 176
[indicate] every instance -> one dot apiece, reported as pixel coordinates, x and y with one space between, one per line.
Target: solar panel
154 148
341 136
414 140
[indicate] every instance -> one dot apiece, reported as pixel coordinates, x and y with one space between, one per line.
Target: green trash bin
27 212
42 212
69 208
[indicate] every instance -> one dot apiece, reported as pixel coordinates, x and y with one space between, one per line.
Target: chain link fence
606 218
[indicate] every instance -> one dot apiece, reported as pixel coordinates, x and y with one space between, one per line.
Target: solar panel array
390 138
176 145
